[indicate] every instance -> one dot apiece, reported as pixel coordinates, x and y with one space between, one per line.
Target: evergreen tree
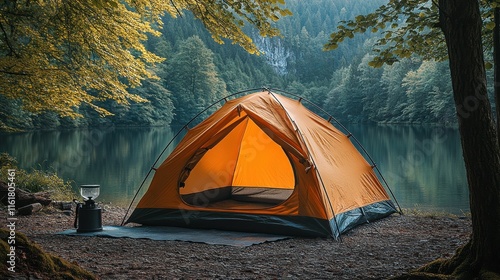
157 111
235 79
193 80
419 84
440 102
373 96
338 94
354 97
12 117
391 83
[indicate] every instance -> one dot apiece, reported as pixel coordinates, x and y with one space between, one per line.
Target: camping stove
88 215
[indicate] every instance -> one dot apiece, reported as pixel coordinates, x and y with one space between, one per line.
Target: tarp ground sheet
217 237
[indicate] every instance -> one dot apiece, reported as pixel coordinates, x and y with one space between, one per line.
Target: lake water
422 165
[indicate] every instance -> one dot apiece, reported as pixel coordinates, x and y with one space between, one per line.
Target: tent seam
239 150
301 138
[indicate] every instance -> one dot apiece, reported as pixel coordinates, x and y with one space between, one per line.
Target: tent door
245 169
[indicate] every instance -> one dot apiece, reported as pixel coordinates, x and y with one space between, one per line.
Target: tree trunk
461 24
496 65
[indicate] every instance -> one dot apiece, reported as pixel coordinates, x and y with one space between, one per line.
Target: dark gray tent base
274 224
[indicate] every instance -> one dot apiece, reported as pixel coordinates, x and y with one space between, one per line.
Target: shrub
36 180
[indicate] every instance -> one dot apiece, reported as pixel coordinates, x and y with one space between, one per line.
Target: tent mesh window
246 169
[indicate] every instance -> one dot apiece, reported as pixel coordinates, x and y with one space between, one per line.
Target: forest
198 71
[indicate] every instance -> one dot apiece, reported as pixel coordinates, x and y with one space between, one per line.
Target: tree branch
175 7
7 41
14 73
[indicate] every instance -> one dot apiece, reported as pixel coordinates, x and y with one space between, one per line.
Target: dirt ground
378 250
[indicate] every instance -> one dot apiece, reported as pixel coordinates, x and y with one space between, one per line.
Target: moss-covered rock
31 260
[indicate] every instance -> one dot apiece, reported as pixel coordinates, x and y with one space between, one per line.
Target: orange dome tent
264 163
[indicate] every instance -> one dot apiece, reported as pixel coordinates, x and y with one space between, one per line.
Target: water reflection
423 165
117 159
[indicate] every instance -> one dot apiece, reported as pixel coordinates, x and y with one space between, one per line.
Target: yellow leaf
375 64
490 25
332 46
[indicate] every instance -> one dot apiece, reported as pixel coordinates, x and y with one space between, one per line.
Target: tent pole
135 195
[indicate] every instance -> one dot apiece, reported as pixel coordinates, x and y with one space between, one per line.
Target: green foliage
307 30
36 180
407 28
57 55
7 161
12 117
157 111
409 91
226 19
374 99
340 81
193 76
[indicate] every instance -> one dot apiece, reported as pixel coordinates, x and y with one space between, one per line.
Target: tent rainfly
264 163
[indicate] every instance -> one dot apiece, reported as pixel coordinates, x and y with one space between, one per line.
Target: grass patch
432 213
